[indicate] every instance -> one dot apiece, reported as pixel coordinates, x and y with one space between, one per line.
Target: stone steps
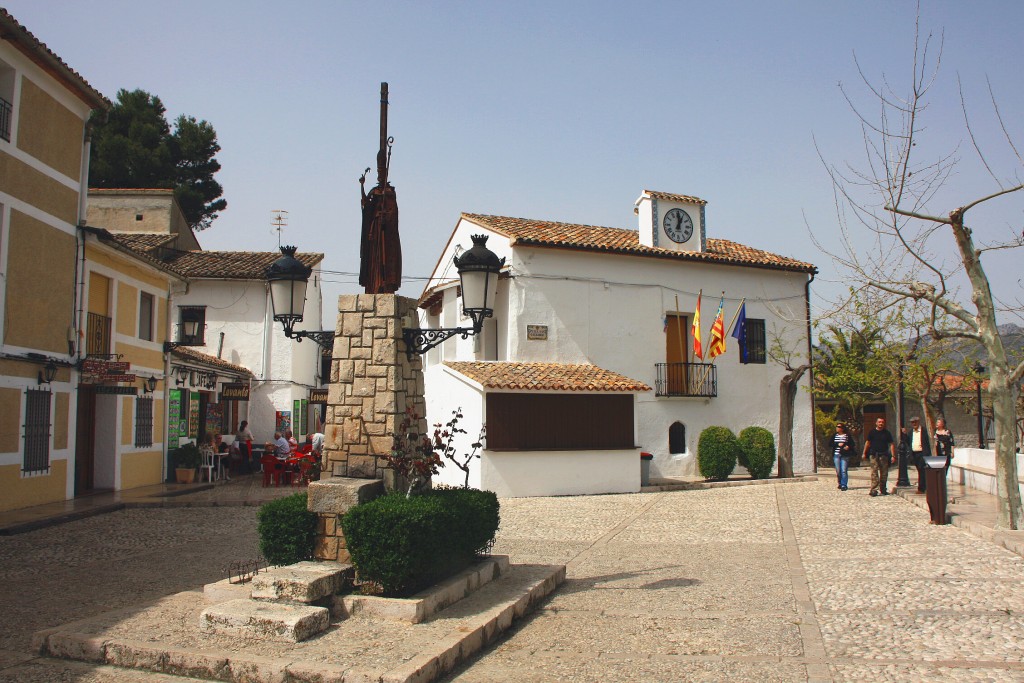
277 604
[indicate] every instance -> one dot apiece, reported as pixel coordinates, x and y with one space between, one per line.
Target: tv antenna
279 221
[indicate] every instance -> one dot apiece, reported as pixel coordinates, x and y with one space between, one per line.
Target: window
192 330
677 438
37 430
7 78
756 347
143 422
146 304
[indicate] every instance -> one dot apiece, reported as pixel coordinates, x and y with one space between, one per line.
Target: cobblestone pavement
774 582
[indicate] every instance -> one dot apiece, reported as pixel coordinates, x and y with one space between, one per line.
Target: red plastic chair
272 468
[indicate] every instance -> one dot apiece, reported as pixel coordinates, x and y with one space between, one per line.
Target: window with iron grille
37 430
143 422
757 347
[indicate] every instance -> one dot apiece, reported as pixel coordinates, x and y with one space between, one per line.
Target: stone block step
267 620
304 582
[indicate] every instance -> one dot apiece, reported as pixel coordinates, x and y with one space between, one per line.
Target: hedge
717 450
758 448
406 544
287 530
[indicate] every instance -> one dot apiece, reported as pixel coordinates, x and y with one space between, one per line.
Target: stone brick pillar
373 384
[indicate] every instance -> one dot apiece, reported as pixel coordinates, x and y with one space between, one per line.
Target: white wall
961 469
560 473
454 391
284 369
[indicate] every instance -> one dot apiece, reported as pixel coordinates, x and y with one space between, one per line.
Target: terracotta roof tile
675 197
545 376
37 51
187 354
232 265
143 241
524 231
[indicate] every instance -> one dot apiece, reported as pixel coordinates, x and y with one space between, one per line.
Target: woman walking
842 449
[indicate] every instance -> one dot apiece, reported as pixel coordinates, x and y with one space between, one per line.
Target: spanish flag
698 350
717 346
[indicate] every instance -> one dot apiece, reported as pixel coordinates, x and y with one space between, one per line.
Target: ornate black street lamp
287 277
189 335
903 478
478 272
979 369
48 373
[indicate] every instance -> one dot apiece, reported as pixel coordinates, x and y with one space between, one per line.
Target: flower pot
184 475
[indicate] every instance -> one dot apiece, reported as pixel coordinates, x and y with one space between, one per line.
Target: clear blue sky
552 110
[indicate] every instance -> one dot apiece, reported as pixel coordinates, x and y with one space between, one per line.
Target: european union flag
739 332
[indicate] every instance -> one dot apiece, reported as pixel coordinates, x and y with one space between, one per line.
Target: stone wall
373 384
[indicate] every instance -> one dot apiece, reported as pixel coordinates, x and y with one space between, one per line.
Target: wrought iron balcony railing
686 379
97 335
5 119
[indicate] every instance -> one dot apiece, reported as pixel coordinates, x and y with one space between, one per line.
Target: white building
588 359
239 365
228 293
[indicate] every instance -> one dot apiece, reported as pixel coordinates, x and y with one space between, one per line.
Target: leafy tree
136 148
852 367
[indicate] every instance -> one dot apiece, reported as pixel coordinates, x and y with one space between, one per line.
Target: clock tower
671 221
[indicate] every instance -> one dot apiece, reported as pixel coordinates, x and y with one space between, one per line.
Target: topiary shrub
757 451
287 530
406 544
717 450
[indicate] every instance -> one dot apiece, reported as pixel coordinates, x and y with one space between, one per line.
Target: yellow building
44 156
121 399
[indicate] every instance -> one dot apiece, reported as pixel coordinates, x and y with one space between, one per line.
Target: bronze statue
380 249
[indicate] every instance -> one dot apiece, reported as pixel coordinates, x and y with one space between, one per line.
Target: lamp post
287 277
478 273
904 478
189 333
979 369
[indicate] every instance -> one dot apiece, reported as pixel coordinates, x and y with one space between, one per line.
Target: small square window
138 216
756 348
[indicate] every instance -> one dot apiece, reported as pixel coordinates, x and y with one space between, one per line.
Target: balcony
686 379
97 335
5 119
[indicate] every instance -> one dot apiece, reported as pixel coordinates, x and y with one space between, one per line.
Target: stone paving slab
165 638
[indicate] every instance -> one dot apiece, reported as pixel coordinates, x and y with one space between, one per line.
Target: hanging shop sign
318 396
121 391
234 391
116 377
91 366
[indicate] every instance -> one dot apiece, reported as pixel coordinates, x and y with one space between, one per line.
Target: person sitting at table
292 443
282 449
223 453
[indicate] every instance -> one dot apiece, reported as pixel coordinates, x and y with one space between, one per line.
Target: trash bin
645 469
935 487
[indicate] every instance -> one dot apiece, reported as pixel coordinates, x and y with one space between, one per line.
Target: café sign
234 391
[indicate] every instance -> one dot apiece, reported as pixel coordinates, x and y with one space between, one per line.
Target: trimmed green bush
717 451
287 530
757 446
406 544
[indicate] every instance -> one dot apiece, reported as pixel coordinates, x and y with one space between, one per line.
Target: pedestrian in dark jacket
918 445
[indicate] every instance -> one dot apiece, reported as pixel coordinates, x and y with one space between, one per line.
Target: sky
552 110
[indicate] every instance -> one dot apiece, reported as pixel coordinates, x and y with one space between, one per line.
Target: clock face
678 225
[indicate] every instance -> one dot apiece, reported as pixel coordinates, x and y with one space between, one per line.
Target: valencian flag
739 332
717 345
698 350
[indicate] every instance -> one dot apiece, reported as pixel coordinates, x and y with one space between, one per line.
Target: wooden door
85 437
676 354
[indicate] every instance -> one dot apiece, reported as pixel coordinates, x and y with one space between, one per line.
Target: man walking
881 449
918 445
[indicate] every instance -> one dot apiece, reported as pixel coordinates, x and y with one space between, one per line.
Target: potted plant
186 461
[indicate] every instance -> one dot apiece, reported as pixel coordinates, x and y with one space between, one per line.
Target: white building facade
622 302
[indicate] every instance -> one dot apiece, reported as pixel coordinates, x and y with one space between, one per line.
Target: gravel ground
777 582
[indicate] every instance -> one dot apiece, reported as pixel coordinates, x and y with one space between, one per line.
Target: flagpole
735 315
707 370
